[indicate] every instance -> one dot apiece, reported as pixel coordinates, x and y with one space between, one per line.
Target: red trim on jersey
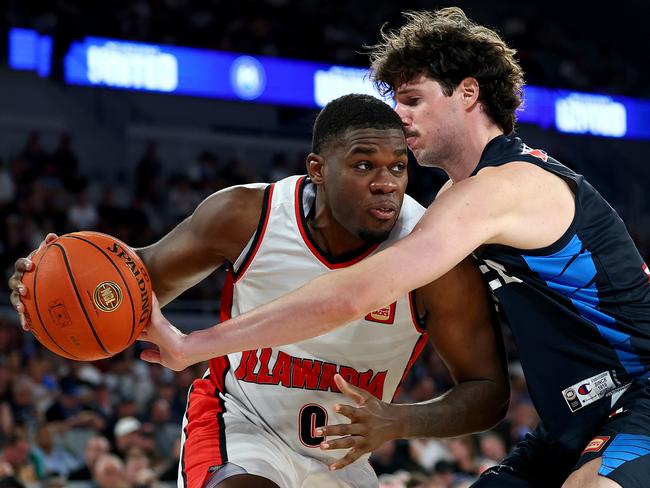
226 297
419 345
312 246
259 234
205 433
414 314
205 444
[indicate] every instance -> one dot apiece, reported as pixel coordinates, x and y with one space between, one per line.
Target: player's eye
363 165
398 167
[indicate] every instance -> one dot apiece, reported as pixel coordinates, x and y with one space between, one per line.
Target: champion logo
646 271
384 315
584 389
596 444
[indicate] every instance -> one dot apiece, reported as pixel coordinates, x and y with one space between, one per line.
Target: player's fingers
22 265
353 413
17 286
352 455
14 298
341 443
23 322
50 238
357 394
151 356
342 429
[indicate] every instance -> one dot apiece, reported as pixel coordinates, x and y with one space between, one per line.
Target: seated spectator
96 446
109 473
127 434
82 215
17 454
7 478
52 459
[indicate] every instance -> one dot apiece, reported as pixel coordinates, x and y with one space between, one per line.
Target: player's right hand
18 289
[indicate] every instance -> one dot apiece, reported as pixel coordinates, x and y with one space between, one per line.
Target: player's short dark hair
354 111
446 46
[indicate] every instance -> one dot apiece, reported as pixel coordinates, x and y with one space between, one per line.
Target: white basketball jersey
290 390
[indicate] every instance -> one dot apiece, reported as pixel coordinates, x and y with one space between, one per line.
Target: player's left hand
168 338
373 422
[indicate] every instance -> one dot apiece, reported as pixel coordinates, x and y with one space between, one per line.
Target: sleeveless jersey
579 310
290 390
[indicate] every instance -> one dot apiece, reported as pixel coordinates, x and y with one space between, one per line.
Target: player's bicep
460 325
470 213
217 231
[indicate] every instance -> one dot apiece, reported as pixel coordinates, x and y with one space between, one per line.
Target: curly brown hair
446 46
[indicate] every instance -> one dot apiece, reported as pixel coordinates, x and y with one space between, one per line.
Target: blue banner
231 76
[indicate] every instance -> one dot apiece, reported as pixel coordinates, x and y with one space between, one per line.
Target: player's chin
377 233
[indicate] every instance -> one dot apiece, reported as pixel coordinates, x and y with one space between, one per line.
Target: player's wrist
400 425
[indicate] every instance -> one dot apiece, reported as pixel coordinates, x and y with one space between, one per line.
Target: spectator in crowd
109 472
96 447
52 459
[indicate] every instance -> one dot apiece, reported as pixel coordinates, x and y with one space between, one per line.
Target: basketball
89 296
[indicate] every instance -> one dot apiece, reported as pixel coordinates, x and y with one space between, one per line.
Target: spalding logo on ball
89 296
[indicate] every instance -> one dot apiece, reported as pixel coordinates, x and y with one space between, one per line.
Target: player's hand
18 289
168 339
373 422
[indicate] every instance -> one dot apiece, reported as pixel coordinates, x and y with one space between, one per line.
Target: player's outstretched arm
218 230
460 326
467 215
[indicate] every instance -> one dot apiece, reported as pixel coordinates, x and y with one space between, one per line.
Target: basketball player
559 260
253 420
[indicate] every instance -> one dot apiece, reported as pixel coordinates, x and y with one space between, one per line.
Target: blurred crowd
560 43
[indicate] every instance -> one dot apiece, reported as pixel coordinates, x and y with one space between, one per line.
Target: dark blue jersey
579 310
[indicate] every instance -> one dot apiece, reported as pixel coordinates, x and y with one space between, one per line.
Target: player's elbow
500 404
350 307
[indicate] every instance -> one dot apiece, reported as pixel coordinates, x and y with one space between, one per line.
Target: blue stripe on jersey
624 448
572 273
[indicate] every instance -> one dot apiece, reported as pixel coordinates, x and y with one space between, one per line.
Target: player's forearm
469 407
313 310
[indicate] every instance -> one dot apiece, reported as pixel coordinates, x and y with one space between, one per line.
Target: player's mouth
411 138
383 213
410 141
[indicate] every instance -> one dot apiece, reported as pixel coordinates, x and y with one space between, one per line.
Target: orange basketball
89 296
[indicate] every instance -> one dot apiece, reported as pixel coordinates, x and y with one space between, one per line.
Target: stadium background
133 164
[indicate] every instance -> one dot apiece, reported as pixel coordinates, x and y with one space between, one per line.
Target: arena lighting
28 50
214 74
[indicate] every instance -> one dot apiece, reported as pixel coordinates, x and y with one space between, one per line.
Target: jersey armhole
419 322
241 265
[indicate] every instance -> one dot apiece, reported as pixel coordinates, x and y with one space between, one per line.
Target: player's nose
383 182
403 113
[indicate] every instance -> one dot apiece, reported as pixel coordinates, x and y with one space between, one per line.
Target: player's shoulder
231 211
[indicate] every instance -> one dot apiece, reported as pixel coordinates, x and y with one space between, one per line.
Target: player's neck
469 153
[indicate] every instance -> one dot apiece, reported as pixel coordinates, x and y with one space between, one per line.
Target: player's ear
469 91
315 166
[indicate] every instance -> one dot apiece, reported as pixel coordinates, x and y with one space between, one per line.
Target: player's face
365 179
432 120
